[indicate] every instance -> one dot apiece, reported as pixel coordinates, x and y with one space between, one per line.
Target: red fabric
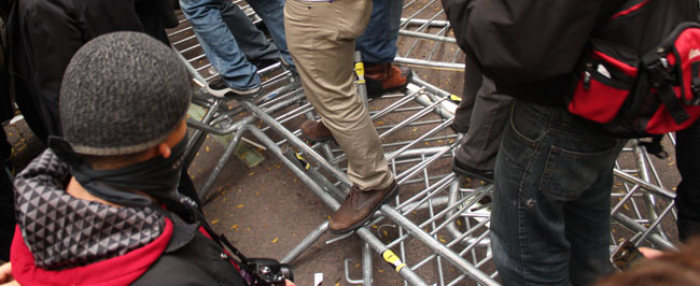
629 10
599 102
687 44
623 67
120 270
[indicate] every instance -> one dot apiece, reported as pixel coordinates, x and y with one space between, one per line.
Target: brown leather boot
315 131
359 206
392 78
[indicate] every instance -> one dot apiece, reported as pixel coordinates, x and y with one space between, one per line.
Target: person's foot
263 63
386 77
316 131
218 88
463 170
359 206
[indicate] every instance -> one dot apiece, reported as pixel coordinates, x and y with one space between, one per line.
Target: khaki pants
321 38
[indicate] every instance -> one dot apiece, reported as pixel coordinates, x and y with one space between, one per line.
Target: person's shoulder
199 262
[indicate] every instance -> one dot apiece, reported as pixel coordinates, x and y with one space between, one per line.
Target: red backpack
642 75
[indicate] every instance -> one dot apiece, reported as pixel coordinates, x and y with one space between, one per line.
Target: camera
268 272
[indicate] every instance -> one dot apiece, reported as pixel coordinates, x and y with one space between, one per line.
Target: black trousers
482 115
688 191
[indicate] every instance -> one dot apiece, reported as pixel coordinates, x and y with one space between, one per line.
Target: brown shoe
316 131
392 78
359 206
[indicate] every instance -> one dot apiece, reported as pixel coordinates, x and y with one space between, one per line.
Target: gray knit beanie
122 93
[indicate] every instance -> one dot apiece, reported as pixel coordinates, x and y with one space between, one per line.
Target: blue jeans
215 23
550 218
378 43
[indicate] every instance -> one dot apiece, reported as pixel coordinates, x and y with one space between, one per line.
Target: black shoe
458 129
466 171
263 63
219 89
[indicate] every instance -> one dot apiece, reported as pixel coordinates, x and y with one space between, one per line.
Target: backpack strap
659 78
695 82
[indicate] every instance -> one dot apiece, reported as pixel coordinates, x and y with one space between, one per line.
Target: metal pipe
312 237
427 36
631 224
431 64
445 252
437 23
655 189
366 265
296 142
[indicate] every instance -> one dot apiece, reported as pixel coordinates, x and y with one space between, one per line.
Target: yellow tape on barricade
455 98
393 259
360 69
305 164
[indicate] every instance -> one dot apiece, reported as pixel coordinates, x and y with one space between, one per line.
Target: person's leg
378 47
476 157
272 13
321 40
219 44
472 83
688 191
250 39
378 42
552 169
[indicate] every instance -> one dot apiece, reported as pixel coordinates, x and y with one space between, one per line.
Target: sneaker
316 131
463 170
359 206
390 77
219 88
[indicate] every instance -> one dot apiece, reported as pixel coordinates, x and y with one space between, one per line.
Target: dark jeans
550 218
688 191
378 43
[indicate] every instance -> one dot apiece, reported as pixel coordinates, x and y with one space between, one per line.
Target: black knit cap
122 93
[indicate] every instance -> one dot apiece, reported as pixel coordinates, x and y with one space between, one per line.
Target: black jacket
67 241
530 48
44 34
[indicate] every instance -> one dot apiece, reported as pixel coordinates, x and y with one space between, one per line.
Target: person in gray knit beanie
122 105
122 93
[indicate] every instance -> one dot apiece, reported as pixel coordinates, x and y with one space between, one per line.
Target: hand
650 253
286 283
6 273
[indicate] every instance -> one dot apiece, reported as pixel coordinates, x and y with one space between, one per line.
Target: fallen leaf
215 221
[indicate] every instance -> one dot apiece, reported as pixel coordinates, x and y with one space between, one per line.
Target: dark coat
111 247
44 34
530 48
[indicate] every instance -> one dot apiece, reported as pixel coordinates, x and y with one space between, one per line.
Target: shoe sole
365 219
464 173
229 92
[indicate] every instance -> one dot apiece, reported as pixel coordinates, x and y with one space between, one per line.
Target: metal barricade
436 231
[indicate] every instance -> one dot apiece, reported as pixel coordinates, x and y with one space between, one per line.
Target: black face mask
158 176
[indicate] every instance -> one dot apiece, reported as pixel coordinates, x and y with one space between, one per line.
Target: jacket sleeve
522 41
